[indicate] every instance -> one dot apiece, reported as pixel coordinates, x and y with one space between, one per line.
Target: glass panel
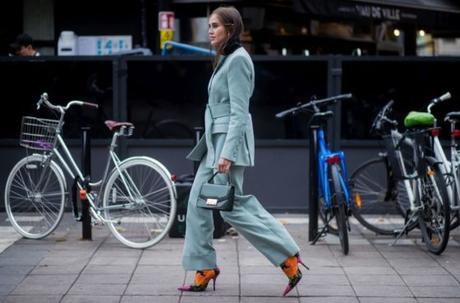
411 84
24 81
166 99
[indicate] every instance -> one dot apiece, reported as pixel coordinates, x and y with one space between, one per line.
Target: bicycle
406 180
334 194
453 118
136 197
449 169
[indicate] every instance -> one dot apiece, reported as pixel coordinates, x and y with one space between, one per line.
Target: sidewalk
62 268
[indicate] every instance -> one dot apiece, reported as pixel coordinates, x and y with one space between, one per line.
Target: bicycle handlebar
437 100
44 100
382 117
314 104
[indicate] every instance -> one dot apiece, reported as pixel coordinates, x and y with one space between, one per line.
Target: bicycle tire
338 207
149 213
378 198
436 210
35 195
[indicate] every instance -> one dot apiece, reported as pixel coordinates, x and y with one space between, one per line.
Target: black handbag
216 196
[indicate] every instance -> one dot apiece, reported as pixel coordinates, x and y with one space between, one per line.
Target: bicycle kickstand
323 232
404 229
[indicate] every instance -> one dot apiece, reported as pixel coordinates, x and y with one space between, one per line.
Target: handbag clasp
211 201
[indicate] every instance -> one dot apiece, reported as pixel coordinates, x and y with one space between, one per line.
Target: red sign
165 21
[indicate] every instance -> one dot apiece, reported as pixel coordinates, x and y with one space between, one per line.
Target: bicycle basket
38 133
408 154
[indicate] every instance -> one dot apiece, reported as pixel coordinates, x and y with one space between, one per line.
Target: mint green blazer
230 88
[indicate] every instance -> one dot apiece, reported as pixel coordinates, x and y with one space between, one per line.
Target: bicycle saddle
115 125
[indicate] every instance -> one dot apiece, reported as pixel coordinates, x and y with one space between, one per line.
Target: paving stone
90 299
45 285
150 299
151 290
329 300
436 291
369 270
5 289
98 289
104 278
213 300
108 269
6 270
32 299
386 300
438 270
437 300
58 269
375 280
222 289
430 280
382 291
326 290
111 261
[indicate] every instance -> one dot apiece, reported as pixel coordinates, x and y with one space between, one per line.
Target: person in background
228 147
24 46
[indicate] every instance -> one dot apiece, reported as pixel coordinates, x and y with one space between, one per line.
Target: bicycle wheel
339 207
434 219
379 201
139 202
35 195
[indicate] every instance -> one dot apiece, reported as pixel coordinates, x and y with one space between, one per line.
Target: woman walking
227 146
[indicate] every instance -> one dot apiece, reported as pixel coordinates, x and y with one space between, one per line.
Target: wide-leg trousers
248 217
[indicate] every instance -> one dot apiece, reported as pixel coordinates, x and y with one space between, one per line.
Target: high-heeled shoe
291 269
202 278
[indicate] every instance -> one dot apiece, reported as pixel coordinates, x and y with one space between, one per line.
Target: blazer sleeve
239 81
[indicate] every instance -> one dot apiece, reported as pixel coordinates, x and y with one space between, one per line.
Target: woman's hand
223 166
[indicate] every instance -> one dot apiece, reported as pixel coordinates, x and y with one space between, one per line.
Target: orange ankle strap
290 266
204 276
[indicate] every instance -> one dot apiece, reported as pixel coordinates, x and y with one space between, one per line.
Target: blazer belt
219 110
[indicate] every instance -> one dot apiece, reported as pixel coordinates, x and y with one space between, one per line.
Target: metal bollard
86 165
313 202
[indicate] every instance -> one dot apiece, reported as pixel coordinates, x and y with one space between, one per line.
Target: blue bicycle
333 190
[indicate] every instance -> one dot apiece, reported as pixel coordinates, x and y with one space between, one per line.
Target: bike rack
86 189
313 202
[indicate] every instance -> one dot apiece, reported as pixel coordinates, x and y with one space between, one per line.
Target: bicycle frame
396 137
76 174
323 155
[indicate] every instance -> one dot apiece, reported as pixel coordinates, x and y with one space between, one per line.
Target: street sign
165 21
165 35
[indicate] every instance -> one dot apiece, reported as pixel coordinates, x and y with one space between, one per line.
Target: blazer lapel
219 65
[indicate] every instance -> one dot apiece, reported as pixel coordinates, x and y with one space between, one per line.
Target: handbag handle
215 174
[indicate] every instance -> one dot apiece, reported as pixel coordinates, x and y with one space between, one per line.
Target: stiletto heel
301 262
291 268
202 278
217 272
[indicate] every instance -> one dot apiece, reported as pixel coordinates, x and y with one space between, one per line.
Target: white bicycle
136 197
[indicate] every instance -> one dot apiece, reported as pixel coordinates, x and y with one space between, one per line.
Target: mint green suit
229 134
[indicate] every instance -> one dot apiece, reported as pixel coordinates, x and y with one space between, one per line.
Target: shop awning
408 11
